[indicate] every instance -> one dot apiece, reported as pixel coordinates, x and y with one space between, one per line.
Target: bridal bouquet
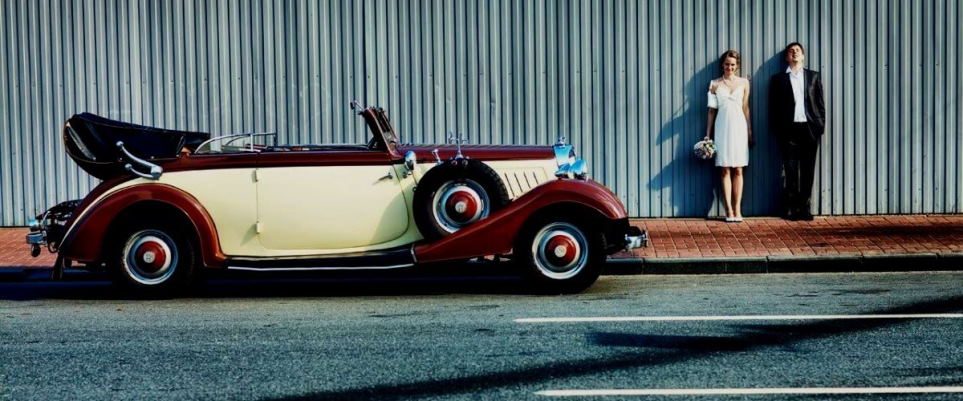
704 149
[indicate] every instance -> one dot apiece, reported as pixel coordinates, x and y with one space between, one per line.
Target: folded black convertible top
91 140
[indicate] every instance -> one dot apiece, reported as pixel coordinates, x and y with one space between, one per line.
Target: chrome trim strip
297 269
80 144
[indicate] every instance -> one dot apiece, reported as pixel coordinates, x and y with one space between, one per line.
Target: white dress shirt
798 81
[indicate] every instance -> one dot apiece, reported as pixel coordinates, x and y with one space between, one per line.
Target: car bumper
636 238
49 228
620 236
36 238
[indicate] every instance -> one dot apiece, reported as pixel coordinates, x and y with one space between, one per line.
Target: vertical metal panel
953 107
6 160
625 81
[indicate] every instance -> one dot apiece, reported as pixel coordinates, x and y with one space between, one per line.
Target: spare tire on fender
455 194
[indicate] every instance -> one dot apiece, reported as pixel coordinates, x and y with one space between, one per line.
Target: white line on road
751 391
737 317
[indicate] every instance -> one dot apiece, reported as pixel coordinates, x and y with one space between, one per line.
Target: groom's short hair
789 46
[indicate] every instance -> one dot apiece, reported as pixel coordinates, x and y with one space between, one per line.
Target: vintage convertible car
172 202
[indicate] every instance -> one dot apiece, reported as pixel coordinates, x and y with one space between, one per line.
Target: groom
797 115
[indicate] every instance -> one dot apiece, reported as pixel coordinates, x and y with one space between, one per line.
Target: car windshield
238 143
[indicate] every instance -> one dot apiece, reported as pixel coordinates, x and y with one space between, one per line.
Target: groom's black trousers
799 146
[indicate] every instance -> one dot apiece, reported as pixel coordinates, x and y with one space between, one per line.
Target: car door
323 202
224 185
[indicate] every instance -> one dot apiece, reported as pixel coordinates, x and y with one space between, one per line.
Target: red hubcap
150 256
461 206
561 250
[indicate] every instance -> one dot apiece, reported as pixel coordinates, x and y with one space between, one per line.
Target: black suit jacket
782 104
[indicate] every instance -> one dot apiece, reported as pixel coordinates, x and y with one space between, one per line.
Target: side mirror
410 160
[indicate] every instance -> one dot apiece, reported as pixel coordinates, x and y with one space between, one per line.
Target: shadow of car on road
468 278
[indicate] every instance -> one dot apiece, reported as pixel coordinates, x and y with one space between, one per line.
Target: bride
728 124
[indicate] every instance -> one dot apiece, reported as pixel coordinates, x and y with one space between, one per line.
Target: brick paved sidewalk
767 236
700 240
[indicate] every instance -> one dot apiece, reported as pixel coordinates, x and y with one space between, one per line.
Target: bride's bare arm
712 111
712 121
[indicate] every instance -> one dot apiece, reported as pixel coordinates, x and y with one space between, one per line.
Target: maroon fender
85 240
496 233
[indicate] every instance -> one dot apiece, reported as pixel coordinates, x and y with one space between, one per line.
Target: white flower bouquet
704 149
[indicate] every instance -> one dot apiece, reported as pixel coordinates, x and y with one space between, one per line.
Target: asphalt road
460 338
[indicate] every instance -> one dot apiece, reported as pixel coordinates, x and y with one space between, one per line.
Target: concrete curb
43 274
787 264
8 275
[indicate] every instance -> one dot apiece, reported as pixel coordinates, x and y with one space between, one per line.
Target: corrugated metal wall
624 80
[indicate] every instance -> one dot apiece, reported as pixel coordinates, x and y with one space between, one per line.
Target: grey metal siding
625 81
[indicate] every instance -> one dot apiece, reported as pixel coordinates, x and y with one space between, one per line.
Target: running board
394 258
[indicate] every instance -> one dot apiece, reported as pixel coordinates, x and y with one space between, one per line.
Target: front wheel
154 259
560 255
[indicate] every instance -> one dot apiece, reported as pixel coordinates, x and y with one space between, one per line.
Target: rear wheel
560 255
154 259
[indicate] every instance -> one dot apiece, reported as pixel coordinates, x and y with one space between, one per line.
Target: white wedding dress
731 129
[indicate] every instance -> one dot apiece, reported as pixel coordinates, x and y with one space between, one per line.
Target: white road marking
736 317
751 391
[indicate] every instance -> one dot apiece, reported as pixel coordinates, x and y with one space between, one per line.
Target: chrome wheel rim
560 250
459 203
150 257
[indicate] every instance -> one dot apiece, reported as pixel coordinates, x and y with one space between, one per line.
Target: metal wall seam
178 94
859 117
954 107
6 133
22 130
631 144
926 115
194 99
870 185
55 183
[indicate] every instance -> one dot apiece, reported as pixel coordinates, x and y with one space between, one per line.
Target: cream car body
265 212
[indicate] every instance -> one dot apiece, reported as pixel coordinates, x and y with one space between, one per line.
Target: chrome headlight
578 169
564 154
411 160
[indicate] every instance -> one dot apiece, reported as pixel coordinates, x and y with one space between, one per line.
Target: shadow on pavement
273 288
672 350
472 278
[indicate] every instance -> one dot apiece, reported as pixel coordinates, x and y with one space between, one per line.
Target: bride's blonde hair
730 54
